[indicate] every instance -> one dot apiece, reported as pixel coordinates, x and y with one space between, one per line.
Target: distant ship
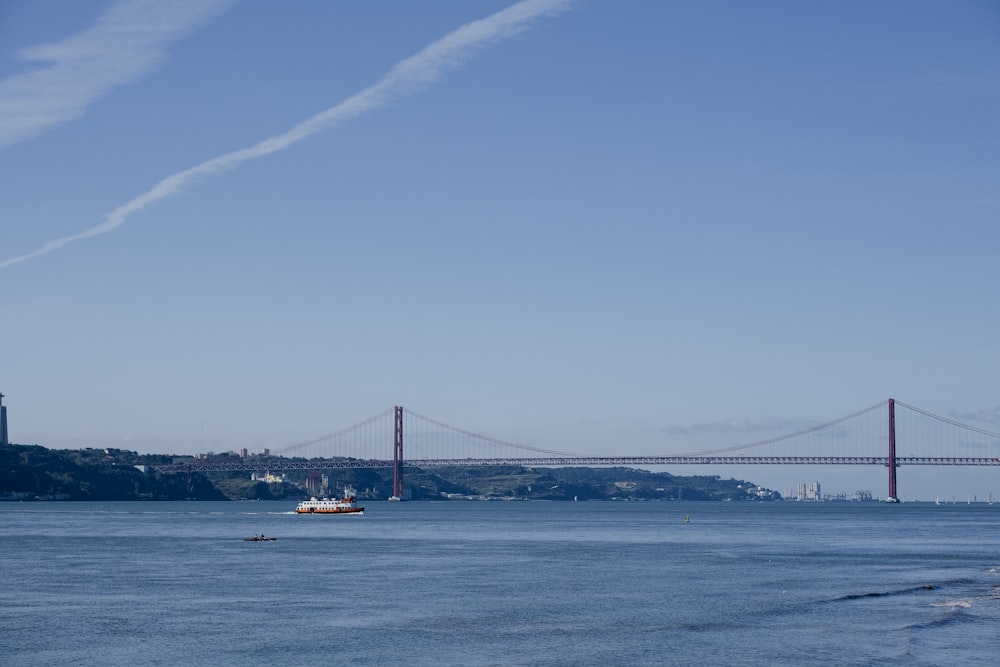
347 504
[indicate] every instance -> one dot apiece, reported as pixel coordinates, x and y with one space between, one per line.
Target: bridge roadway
264 465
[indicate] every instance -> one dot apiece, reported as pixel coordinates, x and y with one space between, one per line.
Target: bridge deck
262 465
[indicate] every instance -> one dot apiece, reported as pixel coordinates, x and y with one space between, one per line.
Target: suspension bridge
888 434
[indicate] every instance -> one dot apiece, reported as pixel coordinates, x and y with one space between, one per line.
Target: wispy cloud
740 426
129 41
987 415
405 78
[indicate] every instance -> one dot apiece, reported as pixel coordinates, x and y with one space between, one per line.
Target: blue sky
582 225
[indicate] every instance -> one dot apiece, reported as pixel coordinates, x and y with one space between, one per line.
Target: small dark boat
260 538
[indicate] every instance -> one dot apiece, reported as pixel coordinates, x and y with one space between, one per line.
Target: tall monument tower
3 423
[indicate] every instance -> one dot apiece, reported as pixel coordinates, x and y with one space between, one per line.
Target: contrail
404 78
127 42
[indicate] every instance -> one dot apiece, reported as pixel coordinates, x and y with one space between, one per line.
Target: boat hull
346 505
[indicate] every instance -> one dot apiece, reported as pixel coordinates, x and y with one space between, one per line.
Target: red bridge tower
397 457
893 498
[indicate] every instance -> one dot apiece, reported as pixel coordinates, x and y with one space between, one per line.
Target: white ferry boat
345 505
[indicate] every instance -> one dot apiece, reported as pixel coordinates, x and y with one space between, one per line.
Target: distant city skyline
577 224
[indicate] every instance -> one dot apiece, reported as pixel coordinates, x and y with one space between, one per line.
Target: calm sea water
472 583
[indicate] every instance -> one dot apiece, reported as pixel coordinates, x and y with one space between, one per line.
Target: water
467 583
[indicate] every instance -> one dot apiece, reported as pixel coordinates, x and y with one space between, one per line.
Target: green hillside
31 472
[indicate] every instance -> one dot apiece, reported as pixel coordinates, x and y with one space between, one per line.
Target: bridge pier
893 498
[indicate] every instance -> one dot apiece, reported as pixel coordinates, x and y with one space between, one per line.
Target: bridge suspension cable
336 434
952 422
790 436
487 439
836 442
